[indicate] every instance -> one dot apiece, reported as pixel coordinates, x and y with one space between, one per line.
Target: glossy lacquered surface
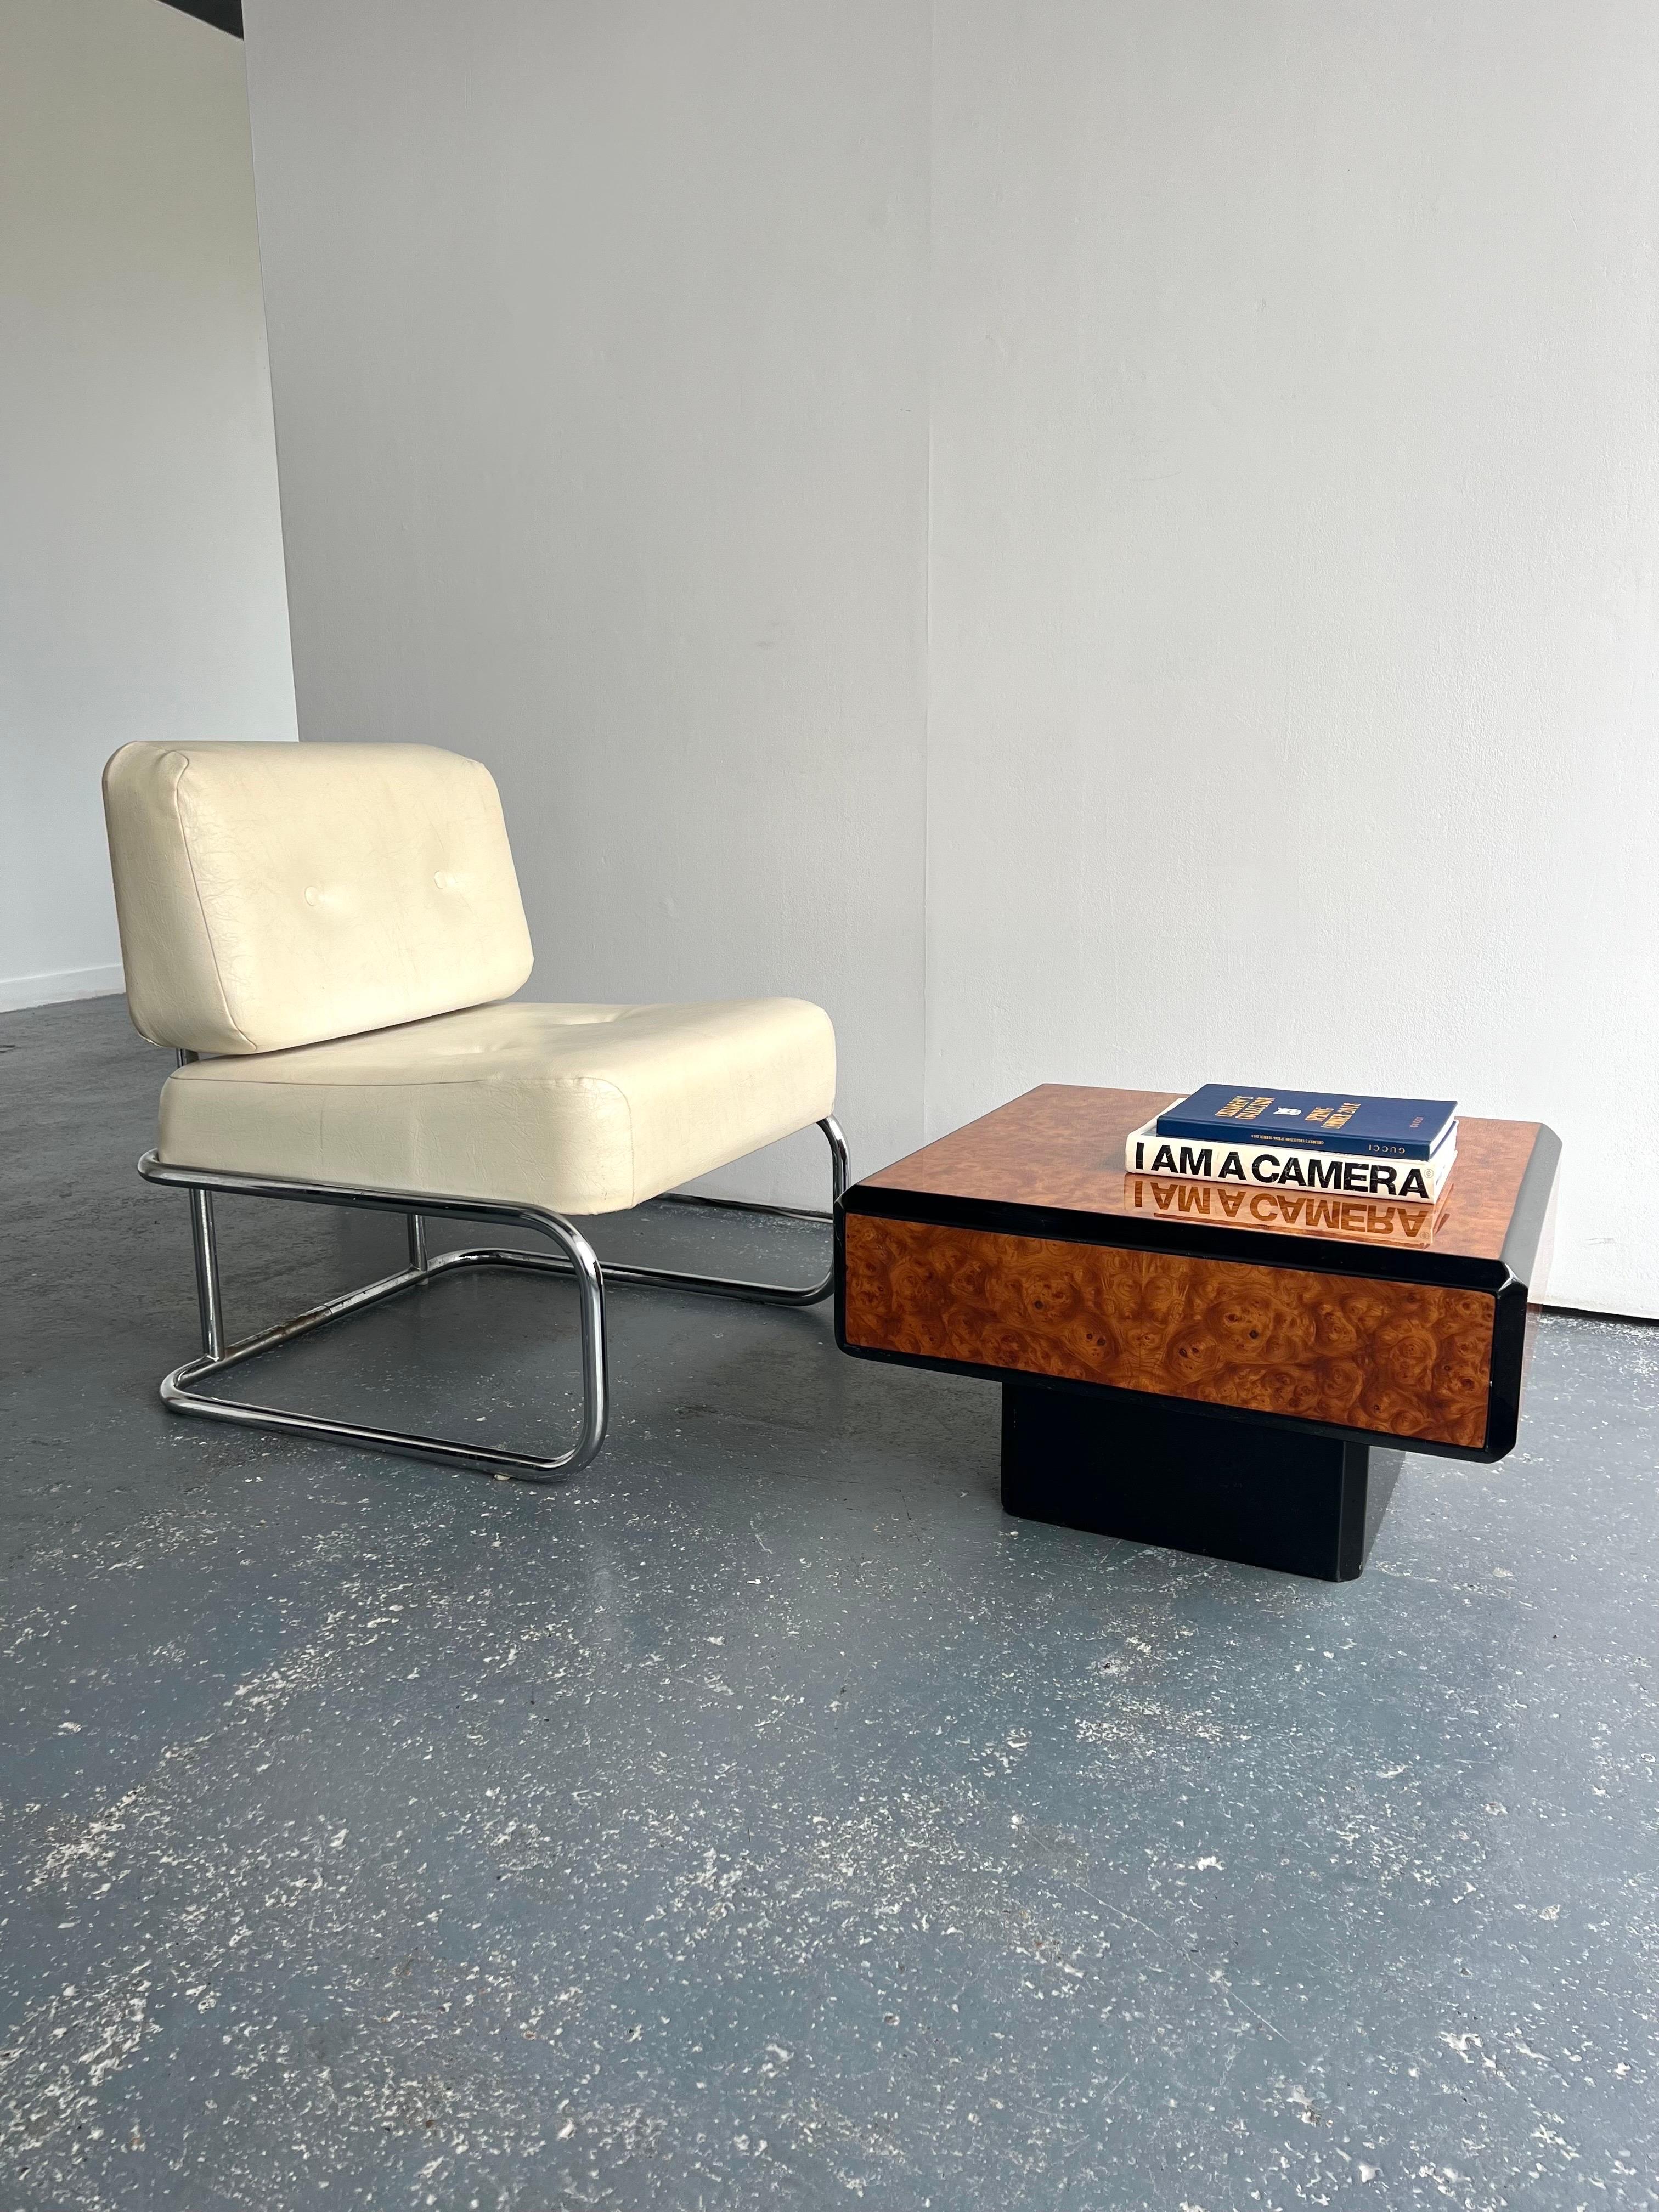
1155 1474
1402 1360
1060 1147
1018 1247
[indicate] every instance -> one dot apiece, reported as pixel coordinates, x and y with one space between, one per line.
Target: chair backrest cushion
274 894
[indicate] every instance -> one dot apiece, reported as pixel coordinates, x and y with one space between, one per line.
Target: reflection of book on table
1384 1221
1288 1167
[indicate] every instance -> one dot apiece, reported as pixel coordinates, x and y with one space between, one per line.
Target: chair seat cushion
583 1109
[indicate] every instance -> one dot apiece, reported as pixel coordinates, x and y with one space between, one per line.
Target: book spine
1252 1133
1289 1167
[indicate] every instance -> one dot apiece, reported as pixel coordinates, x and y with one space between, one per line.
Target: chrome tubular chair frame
574 1257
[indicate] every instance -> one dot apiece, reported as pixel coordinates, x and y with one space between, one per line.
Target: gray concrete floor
763 1819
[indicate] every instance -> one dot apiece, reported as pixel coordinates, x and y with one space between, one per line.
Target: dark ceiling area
223 14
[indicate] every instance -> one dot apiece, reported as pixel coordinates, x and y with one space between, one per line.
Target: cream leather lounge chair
327 935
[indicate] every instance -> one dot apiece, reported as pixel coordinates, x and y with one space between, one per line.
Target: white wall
1115 536
1295 668
599 343
141 565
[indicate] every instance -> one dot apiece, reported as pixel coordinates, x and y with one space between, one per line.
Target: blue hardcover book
1317 1120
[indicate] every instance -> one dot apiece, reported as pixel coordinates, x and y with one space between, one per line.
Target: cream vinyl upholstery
580 1109
334 923
329 934
274 894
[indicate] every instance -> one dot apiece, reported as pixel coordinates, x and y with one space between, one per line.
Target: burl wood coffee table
1227 1370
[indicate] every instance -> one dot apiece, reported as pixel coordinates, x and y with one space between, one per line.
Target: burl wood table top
1059 1150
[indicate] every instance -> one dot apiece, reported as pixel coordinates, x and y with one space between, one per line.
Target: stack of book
1306 1141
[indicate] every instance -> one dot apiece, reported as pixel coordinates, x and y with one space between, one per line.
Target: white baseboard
53 989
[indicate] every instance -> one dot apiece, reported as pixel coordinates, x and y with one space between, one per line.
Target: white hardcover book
1291 1167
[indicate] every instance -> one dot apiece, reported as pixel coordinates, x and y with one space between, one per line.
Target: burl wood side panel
1405 1359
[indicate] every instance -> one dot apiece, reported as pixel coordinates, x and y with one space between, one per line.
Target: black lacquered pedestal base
1150 1470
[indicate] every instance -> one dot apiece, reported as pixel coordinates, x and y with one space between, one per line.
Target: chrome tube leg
838 1161
725 1286
596 1359
205 1245
575 1257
